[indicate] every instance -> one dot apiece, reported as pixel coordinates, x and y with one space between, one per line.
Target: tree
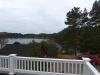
32 50
73 17
83 31
95 14
90 39
52 49
75 20
84 20
3 39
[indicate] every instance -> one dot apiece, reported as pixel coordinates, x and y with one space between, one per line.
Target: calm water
15 74
24 40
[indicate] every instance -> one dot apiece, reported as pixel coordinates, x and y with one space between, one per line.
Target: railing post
11 64
84 65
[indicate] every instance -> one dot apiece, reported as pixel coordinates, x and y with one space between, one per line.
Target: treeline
31 50
19 35
83 31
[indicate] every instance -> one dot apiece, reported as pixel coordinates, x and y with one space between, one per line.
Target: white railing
30 65
47 65
88 68
4 63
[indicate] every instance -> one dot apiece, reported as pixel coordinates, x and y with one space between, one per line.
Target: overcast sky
37 16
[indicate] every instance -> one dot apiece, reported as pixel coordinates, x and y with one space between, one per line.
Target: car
95 58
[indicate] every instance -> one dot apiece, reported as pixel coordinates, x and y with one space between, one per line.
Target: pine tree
84 18
73 17
95 14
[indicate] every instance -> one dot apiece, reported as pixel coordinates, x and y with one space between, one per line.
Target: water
15 74
24 40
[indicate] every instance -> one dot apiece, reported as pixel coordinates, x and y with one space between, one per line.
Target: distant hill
19 35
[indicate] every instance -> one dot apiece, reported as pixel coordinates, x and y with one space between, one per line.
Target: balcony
13 64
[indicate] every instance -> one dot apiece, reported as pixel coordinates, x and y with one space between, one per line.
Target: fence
30 65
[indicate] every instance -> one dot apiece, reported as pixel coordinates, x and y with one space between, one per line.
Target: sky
37 16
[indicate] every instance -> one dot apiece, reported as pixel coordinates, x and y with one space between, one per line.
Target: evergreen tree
83 32
95 14
73 17
84 18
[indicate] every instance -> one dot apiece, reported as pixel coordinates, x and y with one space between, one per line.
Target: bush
52 50
34 49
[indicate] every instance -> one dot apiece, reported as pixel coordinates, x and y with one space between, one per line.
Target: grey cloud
36 16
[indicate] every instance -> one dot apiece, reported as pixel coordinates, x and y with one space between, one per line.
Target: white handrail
49 65
89 68
31 65
51 59
4 62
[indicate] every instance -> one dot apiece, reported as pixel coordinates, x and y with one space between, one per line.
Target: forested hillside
83 31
